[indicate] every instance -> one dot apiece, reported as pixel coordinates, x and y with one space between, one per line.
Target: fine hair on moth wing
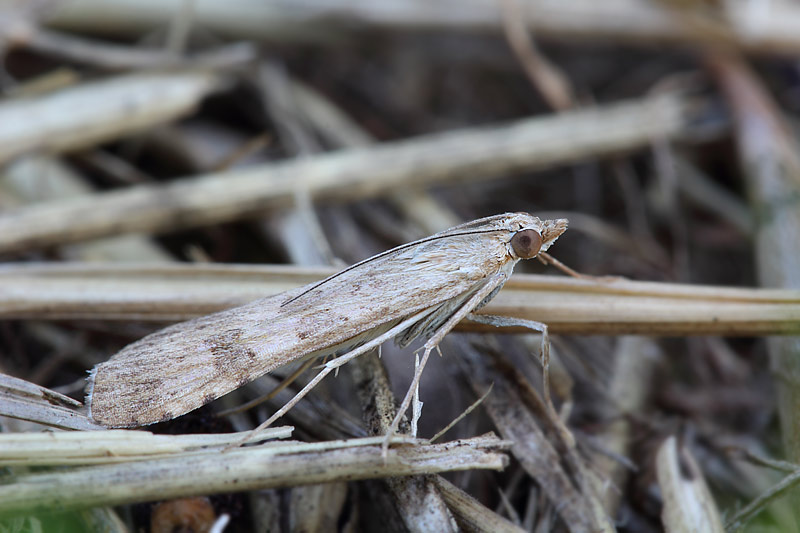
420 289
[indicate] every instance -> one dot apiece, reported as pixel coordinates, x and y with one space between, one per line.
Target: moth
420 289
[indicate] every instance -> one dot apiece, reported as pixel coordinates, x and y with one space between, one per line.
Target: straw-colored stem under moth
419 289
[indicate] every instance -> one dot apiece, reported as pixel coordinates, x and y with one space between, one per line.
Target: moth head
535 236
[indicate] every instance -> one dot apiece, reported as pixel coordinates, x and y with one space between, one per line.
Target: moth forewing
184 366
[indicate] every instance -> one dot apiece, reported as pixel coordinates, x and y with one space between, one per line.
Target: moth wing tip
90 391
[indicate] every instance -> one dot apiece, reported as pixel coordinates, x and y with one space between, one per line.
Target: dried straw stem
567 305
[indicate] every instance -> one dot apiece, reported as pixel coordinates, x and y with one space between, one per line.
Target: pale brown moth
419 289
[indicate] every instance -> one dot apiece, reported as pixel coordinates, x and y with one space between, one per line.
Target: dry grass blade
470 514
568 305
771 29
535 450
260 467
455 156
543 74
752 509
112 446
769 496
26 401
88 114
115 57
688 504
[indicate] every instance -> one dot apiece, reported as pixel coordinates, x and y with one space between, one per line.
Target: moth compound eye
526 243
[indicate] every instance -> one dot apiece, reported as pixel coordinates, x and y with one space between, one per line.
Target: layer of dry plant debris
161 160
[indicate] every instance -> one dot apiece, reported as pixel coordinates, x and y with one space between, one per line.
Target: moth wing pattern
184 366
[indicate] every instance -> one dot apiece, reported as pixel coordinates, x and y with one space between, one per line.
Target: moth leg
474 301
332 365
416 404
540 327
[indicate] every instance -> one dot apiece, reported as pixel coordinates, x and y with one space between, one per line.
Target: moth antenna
384 254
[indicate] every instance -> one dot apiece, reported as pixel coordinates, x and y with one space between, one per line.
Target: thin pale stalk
240 470
170 293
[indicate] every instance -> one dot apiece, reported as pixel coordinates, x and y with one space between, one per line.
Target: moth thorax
526 243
